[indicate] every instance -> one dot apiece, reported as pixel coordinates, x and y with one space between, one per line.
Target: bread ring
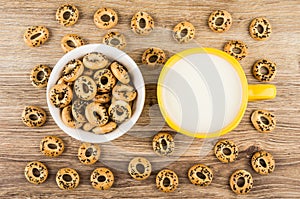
184 32
142 23
124 92
263 121
88 72
33 116
88 126
85 88
105 80
67 178
226 151
115 39
119 111
95 60
237 49
220 21
78 110
105 18
60 95
269 66
36 172
263 162
106 105
200 175
102 98
163 144
241 182
120 72
70 42
135 172
107 128
102 178
96 114
89 153
67 15
172 180
39 76
61 80
113 99
68 119
52 146
153 56
260 29
72 70
34 36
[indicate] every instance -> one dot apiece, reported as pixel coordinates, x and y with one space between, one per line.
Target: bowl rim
137 79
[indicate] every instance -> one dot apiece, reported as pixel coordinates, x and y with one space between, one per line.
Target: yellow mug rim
175 58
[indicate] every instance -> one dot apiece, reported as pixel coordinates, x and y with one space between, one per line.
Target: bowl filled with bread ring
96 93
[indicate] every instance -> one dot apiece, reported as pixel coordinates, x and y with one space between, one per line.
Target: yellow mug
203 92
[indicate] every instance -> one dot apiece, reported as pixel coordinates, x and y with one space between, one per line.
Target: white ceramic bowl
136 78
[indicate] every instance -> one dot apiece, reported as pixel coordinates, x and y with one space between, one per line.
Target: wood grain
20 144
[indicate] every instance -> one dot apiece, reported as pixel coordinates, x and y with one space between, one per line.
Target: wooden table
20 144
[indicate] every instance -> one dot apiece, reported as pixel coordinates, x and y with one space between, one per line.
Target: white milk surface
202 93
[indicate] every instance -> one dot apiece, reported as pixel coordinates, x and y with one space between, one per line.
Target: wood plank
20 144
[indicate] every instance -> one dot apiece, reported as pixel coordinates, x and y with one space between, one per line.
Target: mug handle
261 92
